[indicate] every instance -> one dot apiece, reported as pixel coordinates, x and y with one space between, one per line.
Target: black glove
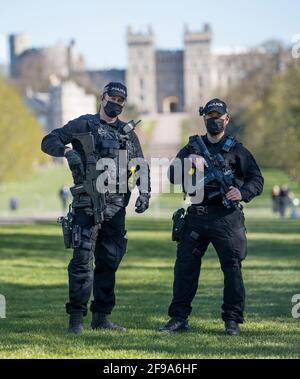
76 166
142 203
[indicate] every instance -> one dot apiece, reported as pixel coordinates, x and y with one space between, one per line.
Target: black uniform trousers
107 250
226 231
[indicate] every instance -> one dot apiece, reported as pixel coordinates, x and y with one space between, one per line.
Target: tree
273 124
20 136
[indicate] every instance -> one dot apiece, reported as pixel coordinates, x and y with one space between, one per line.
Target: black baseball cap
115 89
215 105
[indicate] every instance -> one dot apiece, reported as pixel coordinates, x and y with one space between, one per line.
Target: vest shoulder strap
92 123
192 139
229 144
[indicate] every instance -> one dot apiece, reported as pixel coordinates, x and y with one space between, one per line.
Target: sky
99 27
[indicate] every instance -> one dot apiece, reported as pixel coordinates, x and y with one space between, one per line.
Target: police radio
130 126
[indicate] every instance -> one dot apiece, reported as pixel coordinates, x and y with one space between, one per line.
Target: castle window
141 83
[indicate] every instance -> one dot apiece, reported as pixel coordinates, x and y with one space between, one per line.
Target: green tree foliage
255 85
273 124
20 136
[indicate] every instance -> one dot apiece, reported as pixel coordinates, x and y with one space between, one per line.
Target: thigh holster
84 237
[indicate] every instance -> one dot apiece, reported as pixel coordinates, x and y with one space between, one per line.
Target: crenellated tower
141 70
197 67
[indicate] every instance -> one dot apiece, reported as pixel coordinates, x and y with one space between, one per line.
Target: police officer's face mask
215 126
112 109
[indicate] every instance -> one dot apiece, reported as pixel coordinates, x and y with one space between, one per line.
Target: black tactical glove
142 203
76 166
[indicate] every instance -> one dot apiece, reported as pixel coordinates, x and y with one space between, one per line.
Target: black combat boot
176 324
76 323
232 328
100 321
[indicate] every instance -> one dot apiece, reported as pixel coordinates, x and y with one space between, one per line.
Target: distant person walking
13 204
284 200
64 195
275 198
294 204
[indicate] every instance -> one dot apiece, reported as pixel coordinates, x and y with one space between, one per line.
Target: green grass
33 278
37 194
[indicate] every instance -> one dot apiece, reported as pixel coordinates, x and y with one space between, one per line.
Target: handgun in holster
178 224
76 236
67 226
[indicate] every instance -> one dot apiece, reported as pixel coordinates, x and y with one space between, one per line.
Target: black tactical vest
109 139
224 149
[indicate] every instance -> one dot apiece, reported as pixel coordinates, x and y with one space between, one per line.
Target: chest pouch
109 148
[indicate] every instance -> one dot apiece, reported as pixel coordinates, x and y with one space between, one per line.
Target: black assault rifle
89 181
216 171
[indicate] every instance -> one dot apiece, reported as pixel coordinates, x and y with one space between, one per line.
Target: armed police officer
231 175
95 225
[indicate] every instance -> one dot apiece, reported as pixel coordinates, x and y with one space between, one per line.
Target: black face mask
113 110
215 126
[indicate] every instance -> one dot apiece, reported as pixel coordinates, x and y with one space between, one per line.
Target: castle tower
141 71
17 45
70 53
197 67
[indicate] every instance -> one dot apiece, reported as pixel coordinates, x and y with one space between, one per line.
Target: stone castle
168 81
158 81
179 81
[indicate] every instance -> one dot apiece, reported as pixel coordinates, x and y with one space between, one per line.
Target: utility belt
83 200
202 210
74 235
179 217
179 220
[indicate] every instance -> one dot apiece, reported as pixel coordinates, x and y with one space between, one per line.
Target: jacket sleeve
176 169
138 153
253 179
55 142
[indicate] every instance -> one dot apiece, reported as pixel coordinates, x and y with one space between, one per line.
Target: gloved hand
142 203
76 165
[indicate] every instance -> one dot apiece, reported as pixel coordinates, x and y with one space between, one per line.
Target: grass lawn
33 278
38 194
